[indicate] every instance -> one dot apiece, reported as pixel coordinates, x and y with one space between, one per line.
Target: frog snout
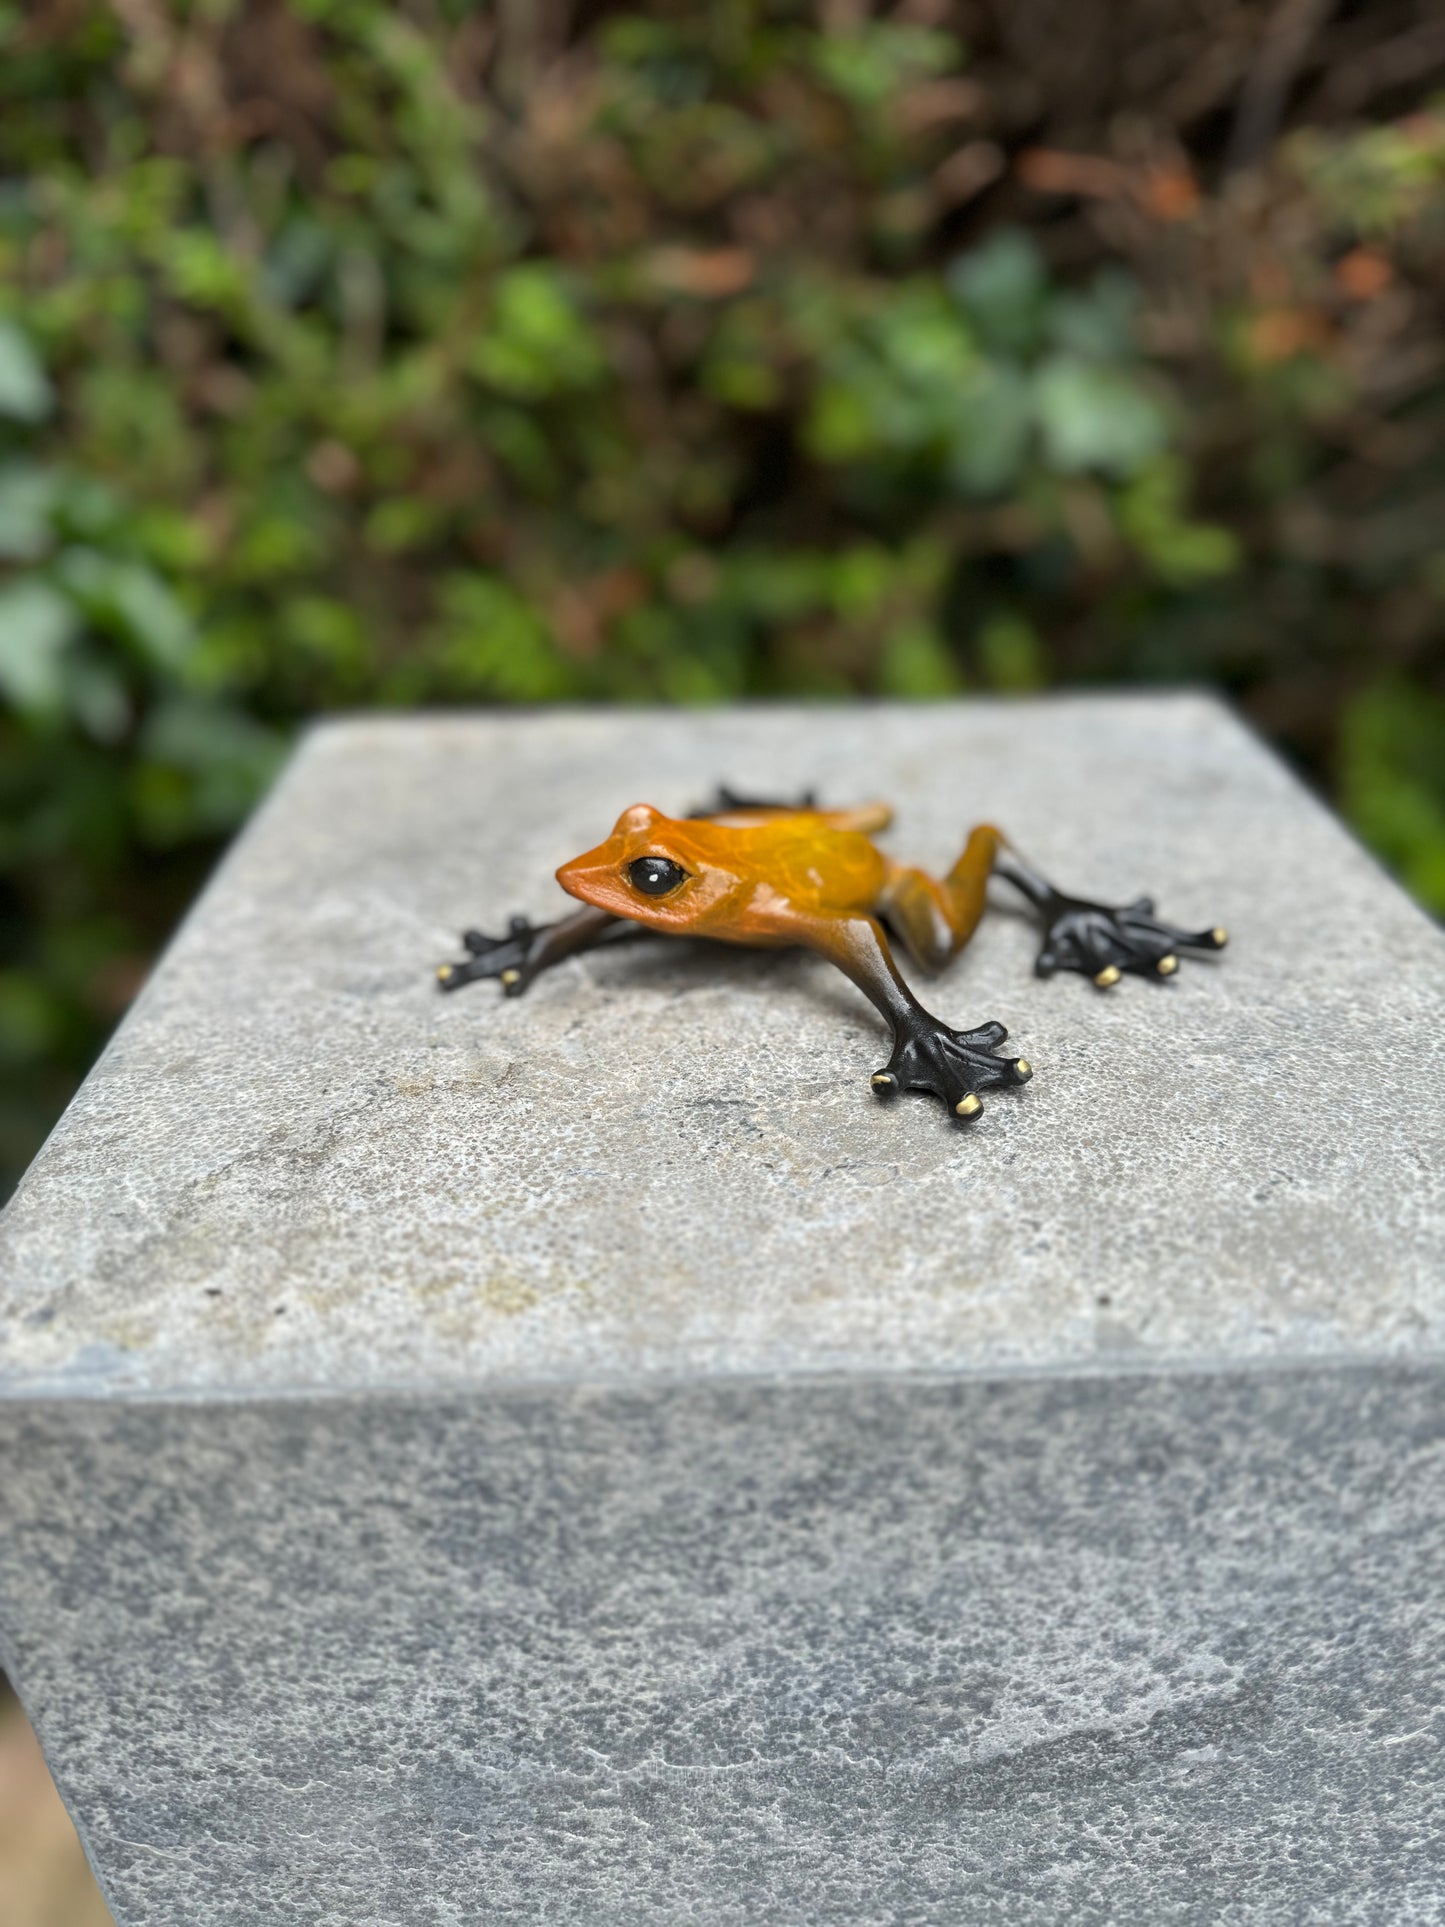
574 876
590 880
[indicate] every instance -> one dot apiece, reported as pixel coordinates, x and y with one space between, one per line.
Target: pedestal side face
885 1656
300 1165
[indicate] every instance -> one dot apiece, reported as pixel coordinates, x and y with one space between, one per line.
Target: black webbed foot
513 958
953 1065
1103 943
1096 939
530 948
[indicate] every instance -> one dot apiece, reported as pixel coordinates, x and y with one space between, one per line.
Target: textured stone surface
1068 1650
298 1165
582 1460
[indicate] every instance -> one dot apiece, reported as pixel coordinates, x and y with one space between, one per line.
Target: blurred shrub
355 352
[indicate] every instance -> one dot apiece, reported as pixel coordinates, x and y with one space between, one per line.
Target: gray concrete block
583 1459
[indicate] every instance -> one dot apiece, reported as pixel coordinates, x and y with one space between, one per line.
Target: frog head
654 870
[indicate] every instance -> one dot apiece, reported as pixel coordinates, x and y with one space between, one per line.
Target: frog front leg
1097 939
928 1055
528 949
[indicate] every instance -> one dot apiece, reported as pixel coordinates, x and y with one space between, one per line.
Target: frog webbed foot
727 802
1102 942
952 1065
514 958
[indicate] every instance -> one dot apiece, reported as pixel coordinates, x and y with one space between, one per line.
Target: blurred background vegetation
383 352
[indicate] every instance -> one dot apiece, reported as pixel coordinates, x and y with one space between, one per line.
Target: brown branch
1292 26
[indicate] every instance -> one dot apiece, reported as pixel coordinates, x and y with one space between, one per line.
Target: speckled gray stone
581 1459
298 1165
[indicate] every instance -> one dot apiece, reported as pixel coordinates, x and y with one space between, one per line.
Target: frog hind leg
1101 940
527 949
928 1055
934 918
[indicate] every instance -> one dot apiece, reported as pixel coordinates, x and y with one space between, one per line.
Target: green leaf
1094 416
1392 780
1100 323
492 643
225 760
916 663
992 425
537 342
1153 515
97 698
37 625
25 391
860 579
298 260
130 601
32 1018
1003 289
202 272
776 586
868 65
1010 654
28 496
839 426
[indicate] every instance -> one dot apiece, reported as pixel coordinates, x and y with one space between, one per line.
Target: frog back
818 866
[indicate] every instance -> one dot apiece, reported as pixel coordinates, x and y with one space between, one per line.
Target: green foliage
1393 781
24 388
354 353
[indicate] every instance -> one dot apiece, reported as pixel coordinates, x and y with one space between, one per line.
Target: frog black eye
654 876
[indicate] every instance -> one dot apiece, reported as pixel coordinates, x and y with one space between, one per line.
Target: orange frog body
771 875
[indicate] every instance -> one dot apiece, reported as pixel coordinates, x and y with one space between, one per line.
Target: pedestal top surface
299 1166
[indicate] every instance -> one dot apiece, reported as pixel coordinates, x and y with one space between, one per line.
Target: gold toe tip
1023 1069
1220 936
443 972
511 976
1167 966
883 1080
967 1106
1108 976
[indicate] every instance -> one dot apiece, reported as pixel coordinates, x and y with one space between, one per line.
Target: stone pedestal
583 1459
